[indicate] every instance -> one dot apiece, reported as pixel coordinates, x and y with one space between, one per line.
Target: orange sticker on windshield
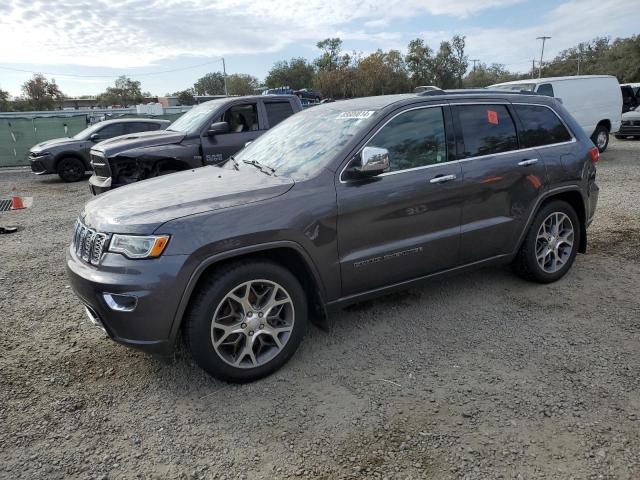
492 117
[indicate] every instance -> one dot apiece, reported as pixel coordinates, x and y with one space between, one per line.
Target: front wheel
551 244
246 320
601 138
71 169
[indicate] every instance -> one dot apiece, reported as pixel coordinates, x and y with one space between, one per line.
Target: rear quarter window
540 126
277 112
545 89
485 129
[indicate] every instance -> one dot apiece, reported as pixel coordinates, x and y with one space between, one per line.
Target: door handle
443 178
531 161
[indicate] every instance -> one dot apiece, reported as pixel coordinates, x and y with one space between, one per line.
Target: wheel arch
286 253
573 197
605 123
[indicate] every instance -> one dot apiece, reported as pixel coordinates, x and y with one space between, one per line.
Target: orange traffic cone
16 199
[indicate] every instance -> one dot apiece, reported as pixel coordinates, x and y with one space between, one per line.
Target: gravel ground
479 376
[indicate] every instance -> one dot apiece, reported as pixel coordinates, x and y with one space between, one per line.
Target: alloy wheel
554 242
252 323
601 140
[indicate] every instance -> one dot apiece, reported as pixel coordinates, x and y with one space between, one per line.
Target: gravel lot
479 376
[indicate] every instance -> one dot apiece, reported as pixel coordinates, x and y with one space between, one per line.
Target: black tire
71 169
209 295
600 130
620 137
526 265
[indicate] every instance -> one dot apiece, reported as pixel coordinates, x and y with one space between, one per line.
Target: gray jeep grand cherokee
336 204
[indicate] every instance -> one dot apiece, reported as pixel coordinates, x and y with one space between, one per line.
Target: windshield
306 142
191 121
516 87
86 133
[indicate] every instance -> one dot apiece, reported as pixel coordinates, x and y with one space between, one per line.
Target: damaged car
208 134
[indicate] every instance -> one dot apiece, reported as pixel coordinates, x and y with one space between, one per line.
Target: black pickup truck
208 134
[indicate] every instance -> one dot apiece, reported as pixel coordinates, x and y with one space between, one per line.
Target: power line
144 74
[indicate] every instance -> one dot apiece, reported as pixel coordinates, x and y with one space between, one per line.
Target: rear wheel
601 138
71 169
246 321
551 244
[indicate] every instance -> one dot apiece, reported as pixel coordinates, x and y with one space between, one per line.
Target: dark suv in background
339 203
69 156
208 134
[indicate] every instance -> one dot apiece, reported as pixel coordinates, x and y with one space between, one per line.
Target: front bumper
157 284
99 185
42 165
629 129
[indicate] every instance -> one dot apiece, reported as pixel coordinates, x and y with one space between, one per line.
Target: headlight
136 246
39 154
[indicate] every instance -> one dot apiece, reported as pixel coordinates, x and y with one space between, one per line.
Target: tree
329 60
125 92
241 84
185 97
296 73
210 84
419 61
459 59
40 93
4 100
483 75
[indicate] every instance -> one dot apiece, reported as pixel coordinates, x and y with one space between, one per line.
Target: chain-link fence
20 132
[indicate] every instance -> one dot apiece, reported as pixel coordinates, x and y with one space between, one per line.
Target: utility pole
224 73
544 39
533 67
578 64
474 60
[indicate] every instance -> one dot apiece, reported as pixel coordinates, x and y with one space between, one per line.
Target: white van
595 101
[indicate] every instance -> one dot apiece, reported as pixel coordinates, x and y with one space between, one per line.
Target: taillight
595 155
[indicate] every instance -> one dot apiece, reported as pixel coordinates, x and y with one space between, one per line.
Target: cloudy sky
87 43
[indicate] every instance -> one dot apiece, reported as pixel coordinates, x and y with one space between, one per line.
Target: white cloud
568 24
128 33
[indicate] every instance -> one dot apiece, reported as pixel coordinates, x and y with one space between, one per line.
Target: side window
277 112
137 127
414 139
545 89
242 118
111 131
486 129
540 126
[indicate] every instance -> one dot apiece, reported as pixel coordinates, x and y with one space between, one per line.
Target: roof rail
483 91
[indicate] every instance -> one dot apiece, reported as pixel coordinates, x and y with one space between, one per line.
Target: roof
129 120
553 79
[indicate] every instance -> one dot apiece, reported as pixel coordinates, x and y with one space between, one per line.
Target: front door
501 181
244 126
405 223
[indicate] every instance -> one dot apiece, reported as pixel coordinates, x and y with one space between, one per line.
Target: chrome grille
100 164
88 244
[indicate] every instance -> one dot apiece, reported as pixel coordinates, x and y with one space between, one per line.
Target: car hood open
143 206
115 145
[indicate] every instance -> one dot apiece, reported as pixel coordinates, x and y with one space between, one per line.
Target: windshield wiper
236 165
260 166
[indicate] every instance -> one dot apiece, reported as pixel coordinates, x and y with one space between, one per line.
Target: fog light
120 303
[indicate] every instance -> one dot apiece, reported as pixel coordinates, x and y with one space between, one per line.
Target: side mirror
218 128
373 161
94 137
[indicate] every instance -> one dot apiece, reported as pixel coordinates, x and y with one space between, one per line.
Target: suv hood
115 145
56 142
143 206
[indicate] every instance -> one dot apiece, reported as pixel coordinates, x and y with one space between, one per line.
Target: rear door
245 126
500 182
404 223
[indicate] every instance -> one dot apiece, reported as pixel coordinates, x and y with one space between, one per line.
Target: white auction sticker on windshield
356 114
